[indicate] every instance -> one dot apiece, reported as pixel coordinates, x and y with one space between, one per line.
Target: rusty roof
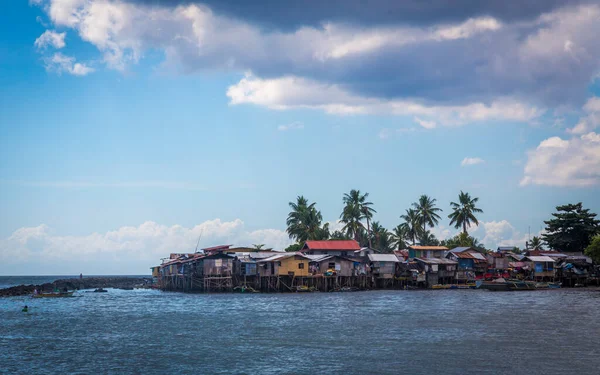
342 245
419 247
217 248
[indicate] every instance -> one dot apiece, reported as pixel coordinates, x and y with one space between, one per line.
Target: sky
129 129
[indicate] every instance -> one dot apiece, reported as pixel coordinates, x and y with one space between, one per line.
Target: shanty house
426 252
471 263
287 264
542 266
342 248
217 264
325 264
383 265
497 260
438 270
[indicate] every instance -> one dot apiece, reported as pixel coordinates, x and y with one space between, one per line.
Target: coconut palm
399 236
411 225
356 208
427 211
381 238
536 243
304 222
463 214
428 239
258 246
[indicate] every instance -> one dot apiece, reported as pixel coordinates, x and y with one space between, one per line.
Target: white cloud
293 126
386 133
559 162
471 161
425 124
125 250
60 63
295 92
591 119
50 39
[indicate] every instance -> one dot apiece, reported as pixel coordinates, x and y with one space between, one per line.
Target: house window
344 253
331 265
300 266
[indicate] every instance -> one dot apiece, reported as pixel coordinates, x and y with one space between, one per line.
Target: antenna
198 243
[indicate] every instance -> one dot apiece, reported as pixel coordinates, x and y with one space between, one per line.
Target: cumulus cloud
50 39
499 233
591 119
564 162
295 92
59 63
471 161
480 54
124 250
293 126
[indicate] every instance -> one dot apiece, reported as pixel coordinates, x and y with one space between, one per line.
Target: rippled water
386 332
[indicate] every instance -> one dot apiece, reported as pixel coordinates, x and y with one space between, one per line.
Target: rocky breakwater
83 283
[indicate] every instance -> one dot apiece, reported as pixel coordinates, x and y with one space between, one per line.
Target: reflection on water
450 332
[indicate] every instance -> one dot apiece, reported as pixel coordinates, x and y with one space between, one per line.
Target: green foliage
427 212
356 209
428 239
399 236
304 222
593 249
381 238
411 225
463 212
259 246
463 240
536 243
294 247
339 235
571 229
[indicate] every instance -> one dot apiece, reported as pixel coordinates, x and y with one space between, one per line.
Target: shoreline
116 282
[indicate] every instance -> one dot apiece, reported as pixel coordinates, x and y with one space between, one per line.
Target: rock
126 283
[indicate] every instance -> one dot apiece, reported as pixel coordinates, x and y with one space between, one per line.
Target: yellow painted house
287 264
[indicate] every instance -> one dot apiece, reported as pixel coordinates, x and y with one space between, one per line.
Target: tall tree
304 222
411 223
536 243
356 209
571 229
463 212
381 238
339 235
428 239
399 237
593 249
427 212
464 240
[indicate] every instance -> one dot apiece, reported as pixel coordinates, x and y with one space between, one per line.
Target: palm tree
356 208
399 236
258 246
463 213
427 211
428 239
536 243
304 222
411 224
381 238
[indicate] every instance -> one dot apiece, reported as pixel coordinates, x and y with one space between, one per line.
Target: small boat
100 290
53 294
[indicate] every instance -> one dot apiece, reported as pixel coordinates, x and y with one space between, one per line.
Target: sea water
378 332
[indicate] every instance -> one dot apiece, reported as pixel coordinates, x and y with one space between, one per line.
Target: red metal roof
342 245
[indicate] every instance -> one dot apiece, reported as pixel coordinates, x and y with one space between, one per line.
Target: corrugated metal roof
419 247
436 261
383 258
217 248
343 245
281 256
541 258
459 249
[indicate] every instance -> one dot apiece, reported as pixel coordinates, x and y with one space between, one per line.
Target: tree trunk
464 227
369 232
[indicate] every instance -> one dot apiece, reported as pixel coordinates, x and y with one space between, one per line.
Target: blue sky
129 128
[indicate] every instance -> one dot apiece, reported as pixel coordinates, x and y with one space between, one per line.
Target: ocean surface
377 332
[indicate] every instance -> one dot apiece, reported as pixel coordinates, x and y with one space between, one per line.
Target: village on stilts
363 255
